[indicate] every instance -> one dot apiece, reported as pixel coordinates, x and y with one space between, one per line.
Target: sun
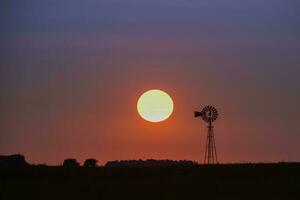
155 106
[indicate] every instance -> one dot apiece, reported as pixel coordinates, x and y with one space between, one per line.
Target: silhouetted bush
71 162
90 163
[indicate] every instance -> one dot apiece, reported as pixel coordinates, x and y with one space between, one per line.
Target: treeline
19 160
149 163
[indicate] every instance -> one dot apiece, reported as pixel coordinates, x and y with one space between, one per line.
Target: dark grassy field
259 181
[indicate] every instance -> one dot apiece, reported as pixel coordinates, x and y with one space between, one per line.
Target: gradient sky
71 72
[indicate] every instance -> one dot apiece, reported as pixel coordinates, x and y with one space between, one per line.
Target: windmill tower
209 114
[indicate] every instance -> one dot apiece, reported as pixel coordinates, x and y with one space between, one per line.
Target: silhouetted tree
71 162
90 163
13 160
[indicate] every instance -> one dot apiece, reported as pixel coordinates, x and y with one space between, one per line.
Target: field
240 181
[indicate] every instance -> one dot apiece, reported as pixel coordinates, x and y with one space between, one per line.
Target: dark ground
259 181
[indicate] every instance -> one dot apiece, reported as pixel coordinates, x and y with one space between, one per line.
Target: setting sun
155 106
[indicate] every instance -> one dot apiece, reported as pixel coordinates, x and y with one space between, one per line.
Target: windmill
209 114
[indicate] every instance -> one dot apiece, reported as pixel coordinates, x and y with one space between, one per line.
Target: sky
71 72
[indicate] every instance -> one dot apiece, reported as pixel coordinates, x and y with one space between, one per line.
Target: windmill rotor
209 114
